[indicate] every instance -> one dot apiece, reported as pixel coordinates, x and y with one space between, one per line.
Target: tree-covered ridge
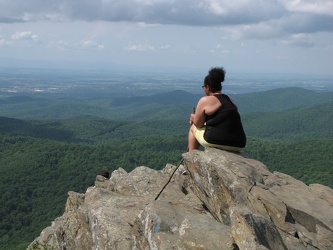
298 124
38 108
304 123
310 161
174 97
281 99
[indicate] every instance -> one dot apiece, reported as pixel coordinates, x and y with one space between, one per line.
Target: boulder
264 210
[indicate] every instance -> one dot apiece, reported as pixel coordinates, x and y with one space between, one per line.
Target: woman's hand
191 119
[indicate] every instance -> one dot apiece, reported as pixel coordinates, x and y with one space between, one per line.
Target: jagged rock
226 201
263 209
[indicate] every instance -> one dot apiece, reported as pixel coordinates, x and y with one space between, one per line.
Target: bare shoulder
204 102
203 99
208 99
208 105
212 104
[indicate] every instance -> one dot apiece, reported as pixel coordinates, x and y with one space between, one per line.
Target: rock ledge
226 201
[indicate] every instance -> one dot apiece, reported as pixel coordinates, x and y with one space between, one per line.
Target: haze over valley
94 84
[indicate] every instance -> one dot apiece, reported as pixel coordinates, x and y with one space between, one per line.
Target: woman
216 122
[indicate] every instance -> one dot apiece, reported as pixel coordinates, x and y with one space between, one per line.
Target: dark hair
214 79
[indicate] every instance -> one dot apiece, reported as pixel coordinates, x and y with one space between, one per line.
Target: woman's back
224 127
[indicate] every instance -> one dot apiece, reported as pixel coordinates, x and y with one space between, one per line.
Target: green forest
49 147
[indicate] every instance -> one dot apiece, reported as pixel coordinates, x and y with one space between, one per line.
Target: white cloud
140 47
58 45
3 42
258 31
273 14
90 44
79 45
215 7
221 49
25 36
301 40
147 25
319 7
165 47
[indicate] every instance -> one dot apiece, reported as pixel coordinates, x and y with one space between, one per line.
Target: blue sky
265 36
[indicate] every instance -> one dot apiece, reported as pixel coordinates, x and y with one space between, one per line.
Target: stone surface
263 209
226 201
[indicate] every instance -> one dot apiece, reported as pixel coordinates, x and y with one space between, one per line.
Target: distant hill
280 99
266 101
310 122
18 99
159 106
306 122
50 130
174 97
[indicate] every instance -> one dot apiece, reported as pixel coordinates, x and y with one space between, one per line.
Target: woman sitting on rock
216 122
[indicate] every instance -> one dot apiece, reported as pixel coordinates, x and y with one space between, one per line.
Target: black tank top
224 127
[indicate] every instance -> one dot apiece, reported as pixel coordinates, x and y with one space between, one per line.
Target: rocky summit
224 200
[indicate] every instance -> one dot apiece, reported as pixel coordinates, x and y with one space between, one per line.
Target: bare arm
207 105
199 118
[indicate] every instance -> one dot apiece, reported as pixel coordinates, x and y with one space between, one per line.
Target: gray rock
263 209
225 201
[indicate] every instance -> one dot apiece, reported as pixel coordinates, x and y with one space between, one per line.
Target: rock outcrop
225 201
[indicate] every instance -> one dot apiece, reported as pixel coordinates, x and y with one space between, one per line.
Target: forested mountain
23 107
174 97
304 123
51 146
310 122
281 99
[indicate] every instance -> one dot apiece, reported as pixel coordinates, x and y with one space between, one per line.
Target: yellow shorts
199 135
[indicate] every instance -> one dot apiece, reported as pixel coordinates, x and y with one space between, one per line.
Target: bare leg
192 141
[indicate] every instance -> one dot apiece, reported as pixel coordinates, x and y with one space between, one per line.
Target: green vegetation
42 159
308 161
37 173
305 123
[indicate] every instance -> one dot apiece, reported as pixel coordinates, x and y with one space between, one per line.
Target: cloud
299 40
140 47
319 7
59 45
147 47
242 19
86 44
25 36
258 31
220 48
165 47
90 44
3 42
185 12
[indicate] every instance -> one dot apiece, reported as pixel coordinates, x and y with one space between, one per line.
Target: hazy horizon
71 65
117 81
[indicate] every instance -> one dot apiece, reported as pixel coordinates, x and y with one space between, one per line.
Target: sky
264 36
